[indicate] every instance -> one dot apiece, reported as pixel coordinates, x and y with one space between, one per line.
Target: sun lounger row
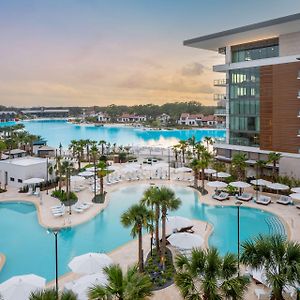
81 207
221 197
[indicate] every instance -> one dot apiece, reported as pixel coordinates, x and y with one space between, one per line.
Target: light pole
238 205
47 177
169 162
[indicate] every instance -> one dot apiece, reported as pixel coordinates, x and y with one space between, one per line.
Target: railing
220 82
220 111
218 97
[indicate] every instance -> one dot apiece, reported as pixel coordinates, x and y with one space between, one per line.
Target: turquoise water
59 131
30 249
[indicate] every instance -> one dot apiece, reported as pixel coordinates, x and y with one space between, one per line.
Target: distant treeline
172 109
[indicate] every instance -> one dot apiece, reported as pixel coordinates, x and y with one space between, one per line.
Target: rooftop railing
220 82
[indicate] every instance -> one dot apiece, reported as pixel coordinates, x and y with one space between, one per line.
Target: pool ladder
275 226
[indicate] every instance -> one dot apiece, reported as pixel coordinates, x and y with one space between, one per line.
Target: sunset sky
88 52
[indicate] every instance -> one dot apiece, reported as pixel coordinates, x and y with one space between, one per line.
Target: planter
99 198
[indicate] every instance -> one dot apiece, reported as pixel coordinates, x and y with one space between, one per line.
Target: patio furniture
221 197
261 294
30 191
264 200
284 200
245 197
37 191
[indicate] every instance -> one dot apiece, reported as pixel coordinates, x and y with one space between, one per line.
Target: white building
190 119
164 118
14 171
103 117
128 118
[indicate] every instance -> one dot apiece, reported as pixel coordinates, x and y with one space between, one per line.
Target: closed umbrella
177 223
185 241
80 286
89 263
20 287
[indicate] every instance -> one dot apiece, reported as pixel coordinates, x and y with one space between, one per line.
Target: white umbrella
221 175
33 180
260 182
161 165
183 169
209 171
91 169
178 223
20 287
74 179
278 186
81 285
217 184
296 190
89 263
240 184
86 174
113 168
295 196
184 240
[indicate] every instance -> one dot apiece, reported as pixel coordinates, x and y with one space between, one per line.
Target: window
20 180
12 179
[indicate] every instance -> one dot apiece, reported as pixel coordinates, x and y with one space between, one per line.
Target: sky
102 52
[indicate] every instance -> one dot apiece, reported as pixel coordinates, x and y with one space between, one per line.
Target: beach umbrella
260 183
185 241
278 187
33 180
177 223
240 185
20 287
75 179
161 165
295 196
80 286
296 190
183 170
89 263
221 175
86 174
209 171
217 184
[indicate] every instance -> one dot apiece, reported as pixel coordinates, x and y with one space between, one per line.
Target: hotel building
262 80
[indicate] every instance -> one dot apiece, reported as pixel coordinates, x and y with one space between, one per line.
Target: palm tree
274 158
199 149
205 159
129 286
50 294
102 143
279 258
209 276
239 164
2 148
138 217
209 141
94 153
182 146
260 164
192 142
175 149
168 202
102 172
150 199
196 168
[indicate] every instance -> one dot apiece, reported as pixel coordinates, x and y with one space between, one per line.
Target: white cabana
209 171
20 287
217 184
296 190
86 174
89 263
221 175
81 285
33 180
185 241
177 223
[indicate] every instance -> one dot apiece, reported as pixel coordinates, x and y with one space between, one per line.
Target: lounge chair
37 191
245 197
221 197
264 200
298 206
285 200
261 294
30 191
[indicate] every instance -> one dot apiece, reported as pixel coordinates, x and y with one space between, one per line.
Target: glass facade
244 106
255 50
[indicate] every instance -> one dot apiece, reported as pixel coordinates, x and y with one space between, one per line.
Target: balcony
219 97
220 112
298 75
220 82
298 95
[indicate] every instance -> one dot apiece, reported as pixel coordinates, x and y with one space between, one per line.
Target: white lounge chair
37 191
285 200
245 197
264 200
30 191
221 197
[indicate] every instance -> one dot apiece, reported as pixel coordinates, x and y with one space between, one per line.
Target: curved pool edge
2 261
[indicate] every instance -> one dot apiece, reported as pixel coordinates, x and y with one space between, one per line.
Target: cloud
193 69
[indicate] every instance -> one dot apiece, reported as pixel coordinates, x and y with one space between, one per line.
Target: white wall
289 44
289 166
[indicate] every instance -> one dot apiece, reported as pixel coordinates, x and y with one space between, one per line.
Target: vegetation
279 258
239 165
63 196
129 286
138 217
50 294
207 275
274 158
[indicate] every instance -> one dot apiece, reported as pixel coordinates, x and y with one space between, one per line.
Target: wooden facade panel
279 107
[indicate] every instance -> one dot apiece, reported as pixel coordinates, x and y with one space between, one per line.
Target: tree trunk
101 185
163 243
141 259
195 179
79 161
157 227
202 178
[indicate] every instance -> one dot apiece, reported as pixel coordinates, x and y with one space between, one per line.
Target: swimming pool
30 249
59 131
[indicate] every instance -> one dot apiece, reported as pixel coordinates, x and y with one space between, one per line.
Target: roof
40 142
7 112
254 32
24 161
15 151
209 118
46 148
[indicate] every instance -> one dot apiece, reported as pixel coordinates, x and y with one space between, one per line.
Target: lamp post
238 205
169 162
60 149
47 172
